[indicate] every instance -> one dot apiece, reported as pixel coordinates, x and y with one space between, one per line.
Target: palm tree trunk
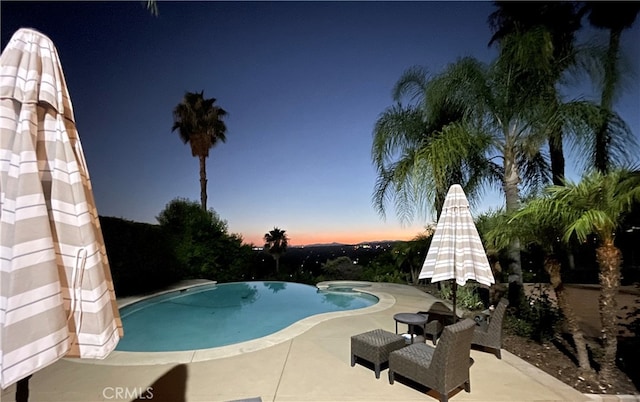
439 201
203 182
416 275
606 101
552 266
512 201
277 264
609 260
556 151
556 154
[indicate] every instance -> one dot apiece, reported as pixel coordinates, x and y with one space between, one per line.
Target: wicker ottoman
375 346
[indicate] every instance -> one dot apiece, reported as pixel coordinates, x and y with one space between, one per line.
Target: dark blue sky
303 82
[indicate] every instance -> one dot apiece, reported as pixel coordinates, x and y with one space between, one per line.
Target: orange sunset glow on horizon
355 237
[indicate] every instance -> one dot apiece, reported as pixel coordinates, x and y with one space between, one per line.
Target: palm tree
400 136
276 243
616 17
539 37
199 123
499 111
595 206
543 232
498 122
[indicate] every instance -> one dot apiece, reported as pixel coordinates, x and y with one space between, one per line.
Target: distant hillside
336 244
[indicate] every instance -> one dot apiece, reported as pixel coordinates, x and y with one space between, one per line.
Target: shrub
467 296
541 314
201 242
140 256
518 326
341 268
378 272
303 277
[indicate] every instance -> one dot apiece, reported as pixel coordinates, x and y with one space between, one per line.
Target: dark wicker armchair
490 336
443 368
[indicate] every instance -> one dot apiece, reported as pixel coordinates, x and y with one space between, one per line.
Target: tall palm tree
199 123
276 243
540 38
595 206
543 232
616 17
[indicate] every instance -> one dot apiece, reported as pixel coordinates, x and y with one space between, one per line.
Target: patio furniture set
443 367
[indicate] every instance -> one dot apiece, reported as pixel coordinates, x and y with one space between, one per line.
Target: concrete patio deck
309 361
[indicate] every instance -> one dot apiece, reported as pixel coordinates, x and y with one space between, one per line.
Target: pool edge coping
122 358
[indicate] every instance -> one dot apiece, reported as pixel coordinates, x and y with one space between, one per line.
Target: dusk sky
303 82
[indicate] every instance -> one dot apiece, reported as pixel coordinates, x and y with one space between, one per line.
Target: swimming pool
217 315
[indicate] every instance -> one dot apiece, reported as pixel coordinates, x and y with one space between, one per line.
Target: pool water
217 315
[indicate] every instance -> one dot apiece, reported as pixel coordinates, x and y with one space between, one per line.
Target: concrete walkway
309 361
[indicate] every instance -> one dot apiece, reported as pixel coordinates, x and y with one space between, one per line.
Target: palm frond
397 129
583 119
396 185
462 85
411 85
535 172
199 122
152 7
595 205
588 63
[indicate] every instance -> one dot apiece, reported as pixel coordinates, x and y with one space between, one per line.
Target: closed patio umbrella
56 292
456 251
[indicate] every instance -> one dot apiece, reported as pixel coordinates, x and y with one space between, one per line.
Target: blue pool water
218 315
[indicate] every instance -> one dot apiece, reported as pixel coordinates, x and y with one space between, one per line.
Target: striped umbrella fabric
456 251
56 291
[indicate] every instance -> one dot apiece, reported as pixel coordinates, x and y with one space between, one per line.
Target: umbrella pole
22 389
